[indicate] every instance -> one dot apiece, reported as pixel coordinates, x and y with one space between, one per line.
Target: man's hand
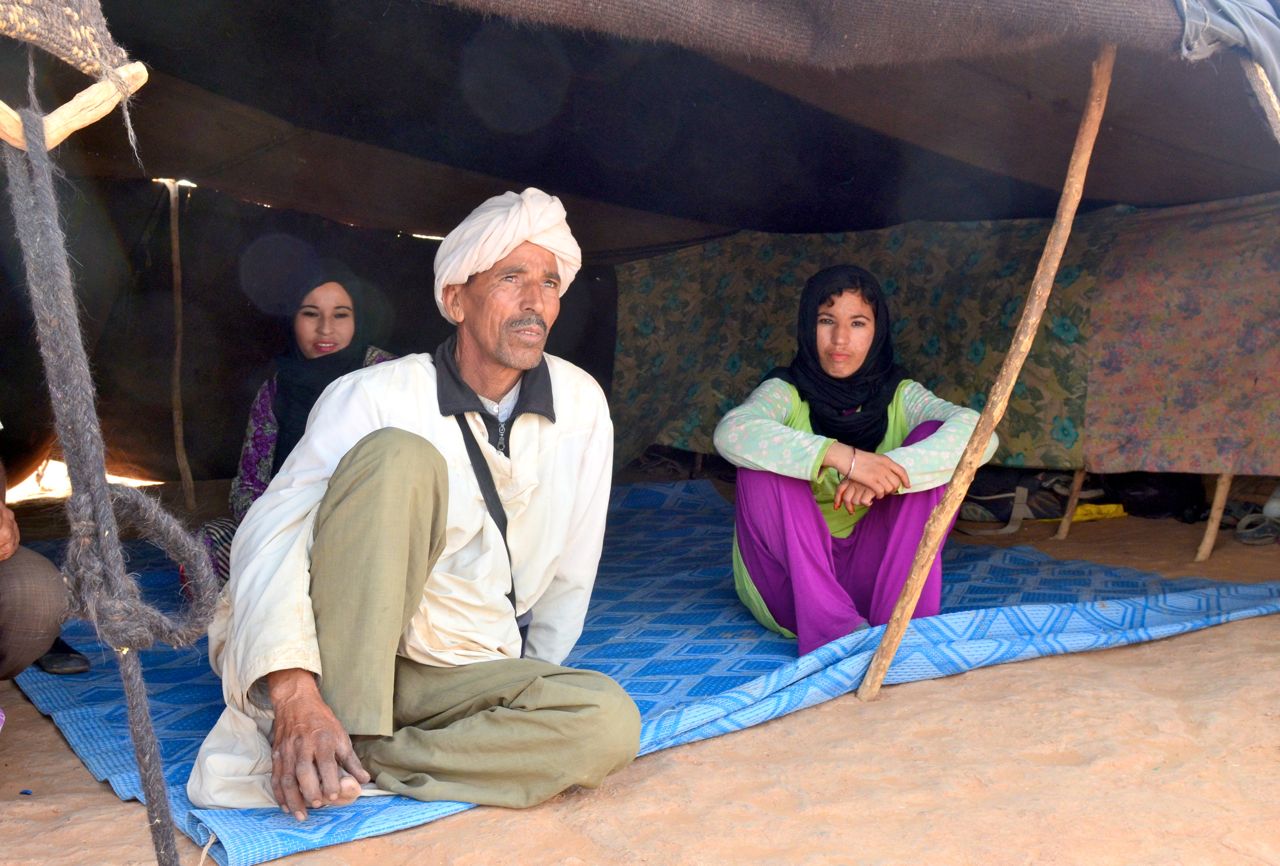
8 533
312 762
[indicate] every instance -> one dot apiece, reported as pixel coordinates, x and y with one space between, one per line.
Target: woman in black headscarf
841 459
328 332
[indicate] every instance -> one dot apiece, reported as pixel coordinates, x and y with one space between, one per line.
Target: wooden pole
1265 94
88 106
175 375
998 398
1077 484
1215 516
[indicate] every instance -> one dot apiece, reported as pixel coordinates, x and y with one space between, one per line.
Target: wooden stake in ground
175 376
1077 484
943 515
1215 516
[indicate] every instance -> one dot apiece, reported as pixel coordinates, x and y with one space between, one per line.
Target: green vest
840 522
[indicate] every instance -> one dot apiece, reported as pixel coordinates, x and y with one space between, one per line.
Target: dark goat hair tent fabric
699 118
664 124
874 33
647 126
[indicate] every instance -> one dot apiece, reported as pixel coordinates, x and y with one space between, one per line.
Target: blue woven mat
664 622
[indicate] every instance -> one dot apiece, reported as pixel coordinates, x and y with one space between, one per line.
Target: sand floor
1163 753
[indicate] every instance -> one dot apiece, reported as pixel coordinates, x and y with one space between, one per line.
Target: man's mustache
517 324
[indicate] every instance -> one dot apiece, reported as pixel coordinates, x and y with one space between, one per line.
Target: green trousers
510 732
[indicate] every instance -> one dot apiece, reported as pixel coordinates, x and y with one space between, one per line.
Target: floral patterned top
771 432
259 449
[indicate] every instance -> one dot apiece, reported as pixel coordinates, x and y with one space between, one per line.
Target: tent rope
102 590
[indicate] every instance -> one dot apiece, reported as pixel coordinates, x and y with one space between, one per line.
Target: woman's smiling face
325 321
846 328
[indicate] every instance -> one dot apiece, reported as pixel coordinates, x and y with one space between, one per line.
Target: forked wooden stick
942 516
88 106
1077 484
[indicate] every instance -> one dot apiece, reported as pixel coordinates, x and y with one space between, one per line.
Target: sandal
1258 529
62 658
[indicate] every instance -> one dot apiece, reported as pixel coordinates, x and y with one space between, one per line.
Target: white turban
497 227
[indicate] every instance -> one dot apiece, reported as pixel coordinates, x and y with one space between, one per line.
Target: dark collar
455 396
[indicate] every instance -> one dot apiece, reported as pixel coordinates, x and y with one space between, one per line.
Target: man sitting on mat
397 611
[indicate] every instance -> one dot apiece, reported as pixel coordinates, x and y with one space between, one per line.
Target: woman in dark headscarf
841 460
328 338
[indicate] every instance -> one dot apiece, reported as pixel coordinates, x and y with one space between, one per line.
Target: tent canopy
669 122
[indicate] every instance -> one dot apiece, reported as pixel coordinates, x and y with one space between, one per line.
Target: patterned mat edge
831 671
966 639
838 668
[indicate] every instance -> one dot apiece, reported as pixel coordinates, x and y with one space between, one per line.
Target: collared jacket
554 487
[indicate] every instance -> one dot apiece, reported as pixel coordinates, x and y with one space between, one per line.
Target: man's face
505 313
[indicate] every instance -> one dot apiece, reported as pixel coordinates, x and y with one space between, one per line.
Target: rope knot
106 594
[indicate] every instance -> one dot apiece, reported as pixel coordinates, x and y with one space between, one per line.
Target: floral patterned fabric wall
1158 351
1186 342
698 328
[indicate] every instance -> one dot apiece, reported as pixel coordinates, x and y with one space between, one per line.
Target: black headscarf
853 410
300 380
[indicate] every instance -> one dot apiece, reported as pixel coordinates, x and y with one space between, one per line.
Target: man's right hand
312 762
9 536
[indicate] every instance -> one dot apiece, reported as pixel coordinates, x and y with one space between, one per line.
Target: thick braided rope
116 607
95 569
105 592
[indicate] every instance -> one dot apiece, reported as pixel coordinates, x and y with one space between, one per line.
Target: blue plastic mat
664 621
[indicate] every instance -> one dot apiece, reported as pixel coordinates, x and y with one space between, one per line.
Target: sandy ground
1163 753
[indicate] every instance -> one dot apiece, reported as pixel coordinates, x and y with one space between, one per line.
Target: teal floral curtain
1158 351
698 328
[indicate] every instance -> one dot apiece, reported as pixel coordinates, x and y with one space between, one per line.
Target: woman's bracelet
852 461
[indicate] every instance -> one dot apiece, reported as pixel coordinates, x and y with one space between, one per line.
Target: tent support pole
1263 92
1077 484
175 376
998 398
1215 516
